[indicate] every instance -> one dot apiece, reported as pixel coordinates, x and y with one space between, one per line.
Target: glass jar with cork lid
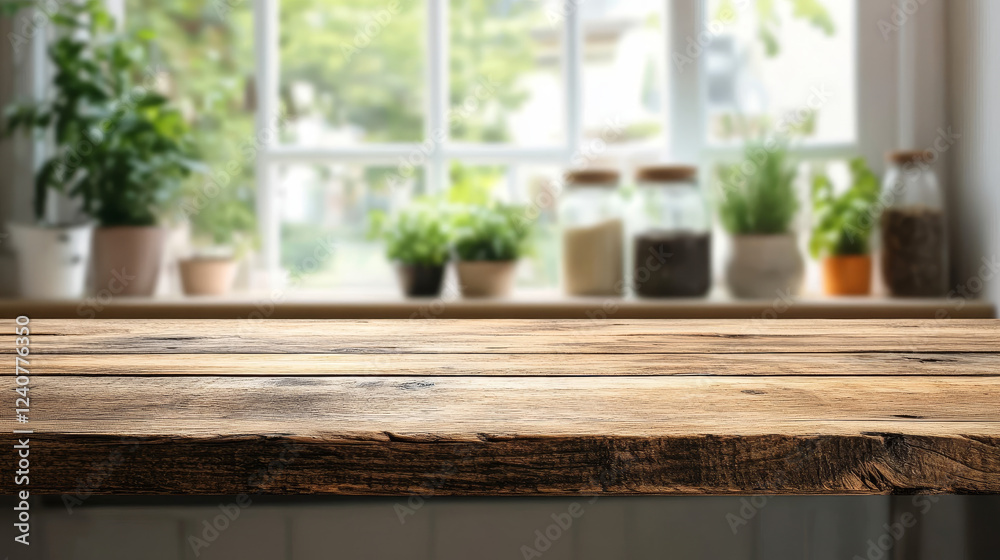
914 232
672 234
591 217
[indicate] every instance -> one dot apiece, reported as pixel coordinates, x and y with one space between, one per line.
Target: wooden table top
509 407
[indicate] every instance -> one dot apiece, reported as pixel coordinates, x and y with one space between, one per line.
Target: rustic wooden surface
510 407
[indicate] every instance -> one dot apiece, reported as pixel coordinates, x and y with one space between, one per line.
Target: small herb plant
494 232
844 223
224 225
119 147
758 194
420 235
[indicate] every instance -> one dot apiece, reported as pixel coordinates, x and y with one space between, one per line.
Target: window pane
778 66
352 71
205 60
324 224
506 72
624 71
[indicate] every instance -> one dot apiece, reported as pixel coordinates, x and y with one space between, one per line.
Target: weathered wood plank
503 336
870 463
521 365
343 408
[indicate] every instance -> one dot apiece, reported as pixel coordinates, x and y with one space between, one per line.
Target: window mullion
686 107
436 124
267 67
572 72
907 77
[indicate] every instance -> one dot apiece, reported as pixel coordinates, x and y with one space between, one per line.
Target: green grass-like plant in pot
489 240
842 230
757 206
120 149
418 241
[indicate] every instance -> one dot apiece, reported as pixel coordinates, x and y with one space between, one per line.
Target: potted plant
418 241
54 255
120 149
53 259
842 233
489 240
757 207
223 230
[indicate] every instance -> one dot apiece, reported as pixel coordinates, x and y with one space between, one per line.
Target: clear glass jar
671 234
914 232
591 217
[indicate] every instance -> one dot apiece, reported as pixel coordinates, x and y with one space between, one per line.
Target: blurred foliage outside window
207 63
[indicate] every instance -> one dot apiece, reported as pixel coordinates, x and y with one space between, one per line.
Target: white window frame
685 112
266 32
885 87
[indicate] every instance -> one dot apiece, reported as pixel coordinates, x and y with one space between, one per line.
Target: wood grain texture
870 463
466 408
521 365
511 407
85 336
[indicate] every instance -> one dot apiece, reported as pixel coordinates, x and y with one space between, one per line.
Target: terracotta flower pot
419 280
849 275
765 266
127 259
208 276
485 279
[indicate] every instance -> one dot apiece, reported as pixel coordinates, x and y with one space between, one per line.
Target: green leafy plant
484 229
493 232
758 194
419 235
119 147
844 223
225 223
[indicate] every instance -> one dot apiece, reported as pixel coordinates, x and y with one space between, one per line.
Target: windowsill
539 305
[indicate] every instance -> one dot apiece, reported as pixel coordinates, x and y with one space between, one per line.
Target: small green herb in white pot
757 207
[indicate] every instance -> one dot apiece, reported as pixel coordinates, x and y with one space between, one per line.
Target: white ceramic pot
53 261
486 279
765 266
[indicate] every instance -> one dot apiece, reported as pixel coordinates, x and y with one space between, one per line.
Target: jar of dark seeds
672 240
914 239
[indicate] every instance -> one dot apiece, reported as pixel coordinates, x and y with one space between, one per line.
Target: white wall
974 75
16 178
946 56
878 86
